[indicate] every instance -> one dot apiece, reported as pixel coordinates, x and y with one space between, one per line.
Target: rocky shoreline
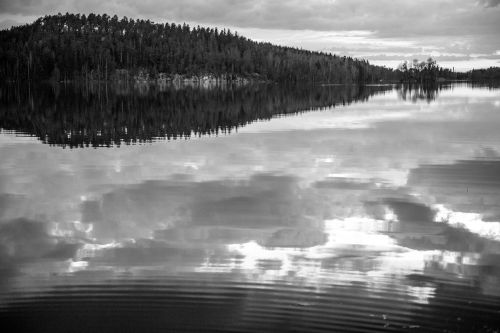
145 77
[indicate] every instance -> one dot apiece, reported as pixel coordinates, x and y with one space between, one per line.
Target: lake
252 209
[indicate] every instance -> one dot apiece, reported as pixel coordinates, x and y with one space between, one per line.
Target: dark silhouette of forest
429 72
106 115
101 47
487 74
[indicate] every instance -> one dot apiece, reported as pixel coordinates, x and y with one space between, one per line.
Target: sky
463 34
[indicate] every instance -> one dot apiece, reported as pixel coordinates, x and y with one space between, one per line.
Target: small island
428 72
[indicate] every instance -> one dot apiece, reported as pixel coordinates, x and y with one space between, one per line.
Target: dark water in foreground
335 209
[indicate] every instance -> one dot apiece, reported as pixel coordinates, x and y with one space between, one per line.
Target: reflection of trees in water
103 115
429 92
417 92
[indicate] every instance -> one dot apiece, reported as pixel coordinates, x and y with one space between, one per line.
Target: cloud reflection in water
378 208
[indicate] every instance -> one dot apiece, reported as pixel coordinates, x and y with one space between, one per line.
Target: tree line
96 47
420 71
429 72
487 74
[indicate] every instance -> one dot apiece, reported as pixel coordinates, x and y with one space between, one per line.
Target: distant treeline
489 74
106 115
429 72
97 47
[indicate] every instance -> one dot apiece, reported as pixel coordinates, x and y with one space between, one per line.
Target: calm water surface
336 209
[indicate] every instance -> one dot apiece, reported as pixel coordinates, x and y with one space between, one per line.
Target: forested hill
73 46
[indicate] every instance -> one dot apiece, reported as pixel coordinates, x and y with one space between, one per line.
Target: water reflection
414 93
467 186
429 92
112 115
378 216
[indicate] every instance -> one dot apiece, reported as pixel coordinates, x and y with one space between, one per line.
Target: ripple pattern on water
188 303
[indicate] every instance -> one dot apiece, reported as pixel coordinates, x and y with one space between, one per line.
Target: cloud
7 202
321 15
268 208
7 23
143 252
296 238
489 3
24 240
467 186
408 211
343 184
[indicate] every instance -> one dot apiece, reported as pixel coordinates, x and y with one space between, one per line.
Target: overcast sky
459 33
